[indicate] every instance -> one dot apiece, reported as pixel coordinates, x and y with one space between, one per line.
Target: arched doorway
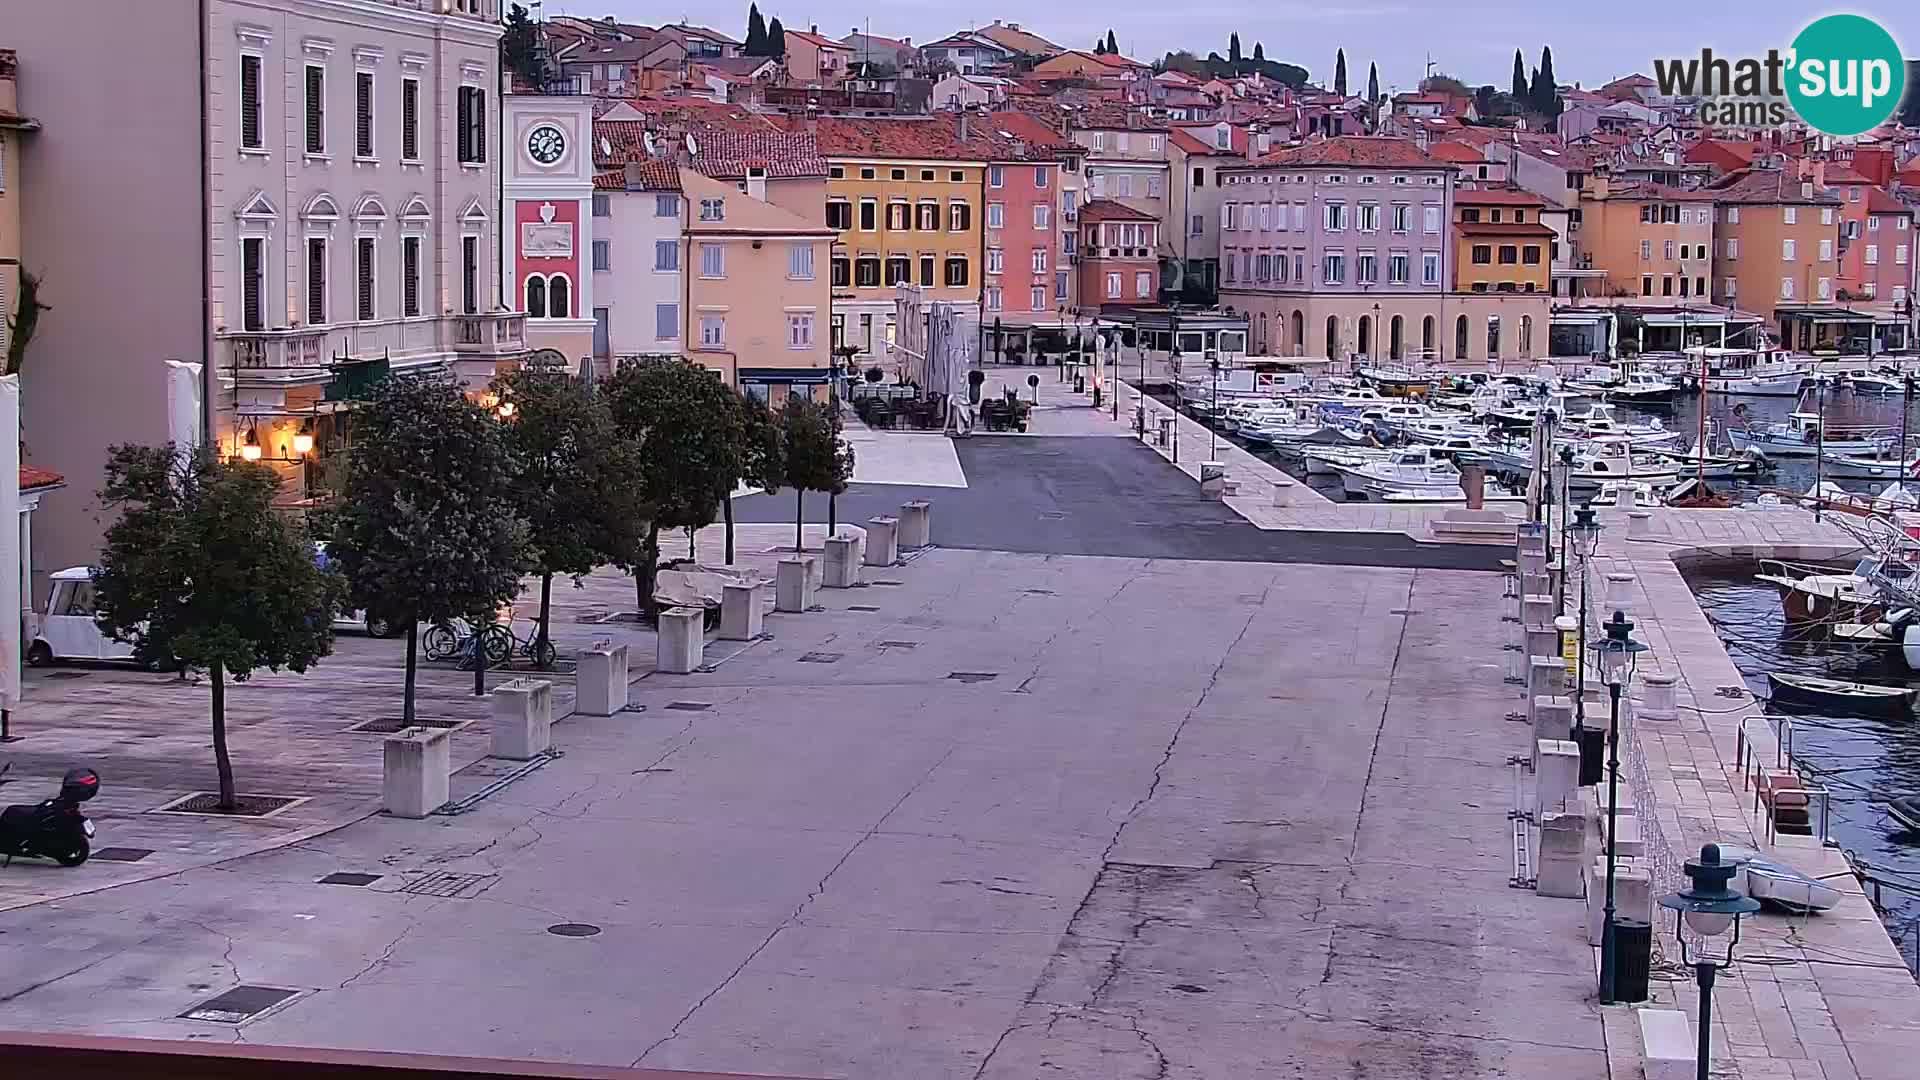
1526 336
1396 343
1366 336
1493 337
1460 338
1299 333
1263 334
1427 343
1333 337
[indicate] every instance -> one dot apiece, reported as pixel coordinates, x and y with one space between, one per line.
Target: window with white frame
251 136
1646 250
1143 284
1733 215
1037 301
1397 267
1039 260
1366 269
799 329
316 281
1040 181
363 273
713 209
409 119
1900 255
1731 287
996 261
666 206
1826 215
363 114
602 204
1198 225
1786 288
1336 217
1369 217
316 109
1788 249
996 215
1113 286
1430 268
1826 288
1402 217
1899 294
471 121
713 330
993 298
1333 268
1061 284
800 262
713 260
1042 216
603 255
1791 215
1299 216
959 216
1226 217
1869 289
410 276
1667 249
666 255
1733 247
1430 218
1826 250
666 322
996 176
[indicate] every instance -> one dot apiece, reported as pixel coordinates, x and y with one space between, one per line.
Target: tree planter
522 719
602 683
417 766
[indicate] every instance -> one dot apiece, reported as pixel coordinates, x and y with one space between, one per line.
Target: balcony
497 334
282 355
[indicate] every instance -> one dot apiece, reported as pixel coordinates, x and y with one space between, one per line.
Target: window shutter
470 273
363 113
410 275
410 119
251 266
464 107
479 124
316 282
250 102
365 276
316 110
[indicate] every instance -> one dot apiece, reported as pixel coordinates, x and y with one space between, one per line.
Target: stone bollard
416 769
1666 1044
1556 773
522 719
1536 584
1165 434
793 584
916 524
1531 536
1533 563
883 541
1546 676
1621 593
742 610
1632 895
1213 480
1627 841
1561 868
1542 640
601 689
1658 701
1282 493
1639 525
682 641
1552 719
840 563
1538 609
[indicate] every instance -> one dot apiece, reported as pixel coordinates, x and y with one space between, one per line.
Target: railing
278 349
498 332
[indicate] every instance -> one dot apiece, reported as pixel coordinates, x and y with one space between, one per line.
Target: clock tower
548 192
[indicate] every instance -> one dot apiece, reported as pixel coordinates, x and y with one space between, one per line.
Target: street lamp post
1709 907
1213 408
1615 653
1584 535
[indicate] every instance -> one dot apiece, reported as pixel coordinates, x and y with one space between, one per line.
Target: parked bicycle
499 641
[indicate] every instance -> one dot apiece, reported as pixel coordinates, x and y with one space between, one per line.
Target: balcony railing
277 350
498 333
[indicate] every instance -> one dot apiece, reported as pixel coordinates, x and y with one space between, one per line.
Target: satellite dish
692 147
652 144
606 148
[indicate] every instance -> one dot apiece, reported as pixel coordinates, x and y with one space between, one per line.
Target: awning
798 376
353 380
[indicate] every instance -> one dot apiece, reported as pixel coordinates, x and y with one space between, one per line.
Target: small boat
1875 467
1596 462
1776 884
1873 383
1627 494
1862 698
1810 593
1412 471
1906 811
1642 388
1800 436
1598 421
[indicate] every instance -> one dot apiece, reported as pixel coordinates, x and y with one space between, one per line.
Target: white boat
1599 460
1699 460
1435 429
1800 436
1346 399
1877 384
1410 471
1328 460
1394 415
1874 467
1766 372
1642 388
1626 494
1599 421
1775 883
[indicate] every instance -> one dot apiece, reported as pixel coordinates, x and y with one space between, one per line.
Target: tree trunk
222 763
799 518
691 557
726 508
546 614
406 695
646 573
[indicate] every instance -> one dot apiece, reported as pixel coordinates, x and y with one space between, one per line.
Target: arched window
558 299
1333 337
536 296
1460 338
1426 338
1493 337
1526 335
1262 346
1299 333
1366 336
1396 340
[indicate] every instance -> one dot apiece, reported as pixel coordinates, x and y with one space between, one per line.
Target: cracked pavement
1209 819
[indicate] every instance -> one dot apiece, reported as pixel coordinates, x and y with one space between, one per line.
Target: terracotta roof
655 175
1043 142
1017 39
817 41
33 476
1880 201
1112 116
1503 228
932 138
682 108
1837 173
1459 153
1496 197
1651 192
1345 150
740 67
727 150
1192 143
1109 210
1769 186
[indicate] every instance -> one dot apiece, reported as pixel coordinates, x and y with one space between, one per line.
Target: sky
1593 41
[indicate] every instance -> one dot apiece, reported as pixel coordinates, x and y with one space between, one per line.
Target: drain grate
690 706
358 881
393 725
121 854
1403 611
821 658
861 607
573 929
1053 515
238 1005
973 676
899 644
68 674
449 884
208 802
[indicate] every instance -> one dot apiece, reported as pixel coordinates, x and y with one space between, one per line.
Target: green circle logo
1845 75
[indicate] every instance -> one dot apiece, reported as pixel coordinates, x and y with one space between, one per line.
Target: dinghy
1778 885
1906 811
1852 697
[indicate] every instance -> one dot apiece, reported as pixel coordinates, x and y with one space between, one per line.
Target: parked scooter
54 829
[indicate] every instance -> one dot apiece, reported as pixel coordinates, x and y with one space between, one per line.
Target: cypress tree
776 39
1233 47
1340 72
1373 83
1259 54
1113 49
756 32
1519 91
1543 94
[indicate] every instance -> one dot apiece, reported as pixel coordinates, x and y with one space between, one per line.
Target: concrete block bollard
522 719
1623 803
1542 640
846 532
883 541
1561 868
1531 536
682 641
1622 591
1556 774
1165 434
1666 1044
1632 895
1282 493
1627 841
1213 479
602 682
1536 584
793 584
1552 718
1546 676
916 524
840 564
1640 525
1533 563
742 610
1537 609
415 772
1658 700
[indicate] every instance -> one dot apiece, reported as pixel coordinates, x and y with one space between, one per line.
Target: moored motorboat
1905 809
1776 884
1861 698
1411 471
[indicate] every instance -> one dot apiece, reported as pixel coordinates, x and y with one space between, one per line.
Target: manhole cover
121 854
972 676
393 725
68 674
449 884
861 607
208 802
821 658
690 706
346 878
898 644
573 929
238 1005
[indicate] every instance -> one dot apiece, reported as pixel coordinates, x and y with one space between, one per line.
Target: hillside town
552 545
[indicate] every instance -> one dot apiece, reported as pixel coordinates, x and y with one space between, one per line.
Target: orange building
1776 244
1500 243
1649 240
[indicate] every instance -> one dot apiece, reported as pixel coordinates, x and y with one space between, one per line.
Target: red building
1119 256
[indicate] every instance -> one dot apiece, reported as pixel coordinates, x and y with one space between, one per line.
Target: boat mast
1819 443
1700 443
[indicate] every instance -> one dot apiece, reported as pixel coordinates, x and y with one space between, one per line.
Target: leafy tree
1483 101
1259 54
201 568
22 325
762 455
1233 48
1910 108
816 458
1519 90
520 47
688 423
776 39
1113 49
1445 84
571 482
427 529
756 32
1340 72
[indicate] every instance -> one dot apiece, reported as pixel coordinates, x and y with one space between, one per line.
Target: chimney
813 28
966 126
1806 189
757 183
634 176
906 41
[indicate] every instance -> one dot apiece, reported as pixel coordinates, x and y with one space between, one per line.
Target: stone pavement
1194 819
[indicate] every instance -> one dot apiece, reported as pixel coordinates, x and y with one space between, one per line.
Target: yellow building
12 127
1500 243
905 197
758 299
1649 239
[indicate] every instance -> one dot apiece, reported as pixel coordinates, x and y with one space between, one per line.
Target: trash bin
1079 384
1593 755
1632 956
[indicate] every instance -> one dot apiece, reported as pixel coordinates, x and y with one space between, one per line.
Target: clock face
546 144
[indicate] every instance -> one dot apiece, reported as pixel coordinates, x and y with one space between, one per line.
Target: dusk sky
1471 39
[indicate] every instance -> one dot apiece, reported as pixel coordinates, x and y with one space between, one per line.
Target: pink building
1022 240
1883 272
